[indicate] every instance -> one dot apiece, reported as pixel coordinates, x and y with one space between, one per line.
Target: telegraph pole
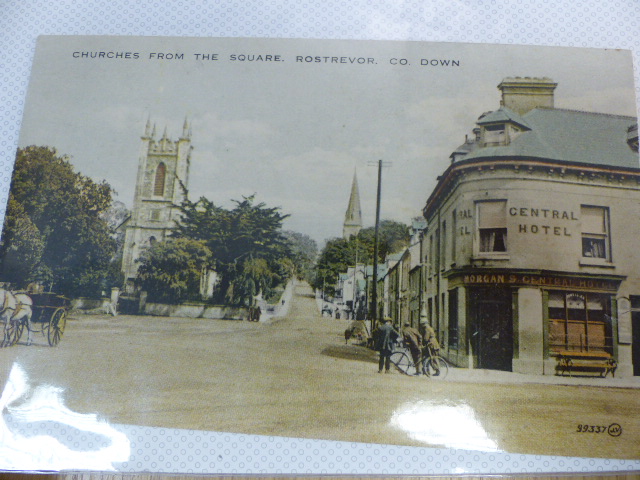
374 293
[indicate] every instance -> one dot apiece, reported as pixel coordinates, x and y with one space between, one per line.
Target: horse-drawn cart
48 315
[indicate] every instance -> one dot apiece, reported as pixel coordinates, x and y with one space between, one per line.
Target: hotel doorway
492 328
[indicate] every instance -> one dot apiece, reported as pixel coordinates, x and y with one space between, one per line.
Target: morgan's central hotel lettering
539 280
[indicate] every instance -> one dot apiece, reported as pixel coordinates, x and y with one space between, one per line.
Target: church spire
186 129
353 216
147 128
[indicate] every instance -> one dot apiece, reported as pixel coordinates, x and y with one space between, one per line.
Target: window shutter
492 214
593 220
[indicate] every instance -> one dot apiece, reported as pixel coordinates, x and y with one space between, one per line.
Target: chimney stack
522 94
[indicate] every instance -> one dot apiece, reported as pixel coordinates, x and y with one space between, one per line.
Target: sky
294 131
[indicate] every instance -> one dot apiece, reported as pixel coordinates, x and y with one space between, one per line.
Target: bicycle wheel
403 363
436 368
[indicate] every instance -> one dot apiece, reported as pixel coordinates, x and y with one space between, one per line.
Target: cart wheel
56 326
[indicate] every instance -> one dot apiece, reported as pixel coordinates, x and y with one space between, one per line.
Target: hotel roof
562 135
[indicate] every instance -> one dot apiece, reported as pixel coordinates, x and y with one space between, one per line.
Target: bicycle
432 365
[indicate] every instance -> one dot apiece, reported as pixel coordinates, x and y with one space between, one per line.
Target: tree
170 271
53 231
246 243
304 251
339 254
22 245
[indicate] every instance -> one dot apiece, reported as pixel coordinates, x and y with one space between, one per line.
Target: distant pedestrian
413 340
386 337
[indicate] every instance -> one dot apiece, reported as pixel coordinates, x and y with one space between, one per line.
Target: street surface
296 377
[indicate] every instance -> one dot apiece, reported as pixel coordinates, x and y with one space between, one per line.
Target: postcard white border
511 22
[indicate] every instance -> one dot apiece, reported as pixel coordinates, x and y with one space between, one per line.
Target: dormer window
500 127
495 134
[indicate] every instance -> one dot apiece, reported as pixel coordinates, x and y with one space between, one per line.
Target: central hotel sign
543 213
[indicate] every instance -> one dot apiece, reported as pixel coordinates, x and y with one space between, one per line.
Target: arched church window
152 241
158 186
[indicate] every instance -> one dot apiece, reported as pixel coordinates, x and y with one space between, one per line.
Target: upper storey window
492 226
500 127
595 232
495 134
158 186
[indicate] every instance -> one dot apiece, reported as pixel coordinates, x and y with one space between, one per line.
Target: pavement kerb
471 375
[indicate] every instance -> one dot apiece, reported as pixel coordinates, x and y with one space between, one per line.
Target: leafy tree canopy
339 254
170 271
304 251
246 242
53 232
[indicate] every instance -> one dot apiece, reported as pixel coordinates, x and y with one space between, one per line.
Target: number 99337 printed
614 430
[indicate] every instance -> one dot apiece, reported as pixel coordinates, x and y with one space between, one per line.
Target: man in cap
386 336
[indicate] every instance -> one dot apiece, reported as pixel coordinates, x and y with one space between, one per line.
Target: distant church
162 165
353 216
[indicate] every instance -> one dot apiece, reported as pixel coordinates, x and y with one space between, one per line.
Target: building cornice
449 178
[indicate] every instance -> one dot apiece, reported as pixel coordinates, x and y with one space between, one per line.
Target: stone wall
195 310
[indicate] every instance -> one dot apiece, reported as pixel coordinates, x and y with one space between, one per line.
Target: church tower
353 217
162 165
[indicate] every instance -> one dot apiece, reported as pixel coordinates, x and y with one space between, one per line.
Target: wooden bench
569 361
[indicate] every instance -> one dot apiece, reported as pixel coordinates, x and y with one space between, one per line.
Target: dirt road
295 377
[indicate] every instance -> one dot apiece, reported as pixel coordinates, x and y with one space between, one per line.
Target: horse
15 309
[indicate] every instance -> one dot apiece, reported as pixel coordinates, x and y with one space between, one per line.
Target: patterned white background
593 23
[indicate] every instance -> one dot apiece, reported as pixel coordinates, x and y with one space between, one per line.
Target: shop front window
579 322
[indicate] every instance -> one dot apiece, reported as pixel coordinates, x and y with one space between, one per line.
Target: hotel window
443 243
492 226
579 322
595 232
454 235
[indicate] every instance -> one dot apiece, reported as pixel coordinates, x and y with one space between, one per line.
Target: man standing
413 339
386 336
430 338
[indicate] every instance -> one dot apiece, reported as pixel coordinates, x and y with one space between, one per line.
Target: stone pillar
529 330
115 295
622 334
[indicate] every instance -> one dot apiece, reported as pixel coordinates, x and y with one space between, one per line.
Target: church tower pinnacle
353 217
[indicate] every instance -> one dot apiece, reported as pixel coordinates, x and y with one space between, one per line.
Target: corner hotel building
533 238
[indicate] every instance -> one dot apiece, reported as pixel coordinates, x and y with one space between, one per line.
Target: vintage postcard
397 243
